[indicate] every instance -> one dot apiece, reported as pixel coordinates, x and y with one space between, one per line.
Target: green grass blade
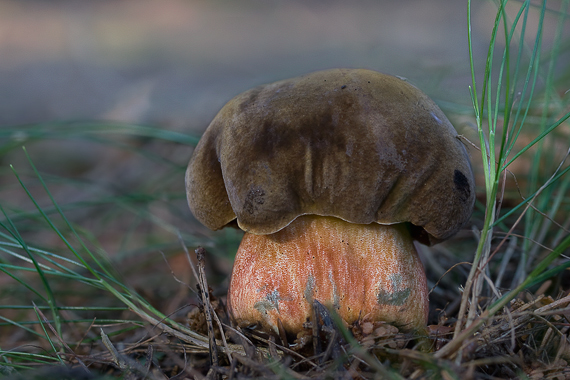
70 247
50 296
532 196
48 338
4 268
537 139
21 135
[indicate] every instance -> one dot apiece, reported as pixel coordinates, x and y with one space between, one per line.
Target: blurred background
109 97
174 63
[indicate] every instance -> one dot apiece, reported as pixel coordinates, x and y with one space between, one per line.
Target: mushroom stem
367 272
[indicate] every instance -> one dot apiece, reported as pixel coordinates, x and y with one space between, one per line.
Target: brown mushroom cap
350 143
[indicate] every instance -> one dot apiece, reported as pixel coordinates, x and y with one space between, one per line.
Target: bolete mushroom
331 175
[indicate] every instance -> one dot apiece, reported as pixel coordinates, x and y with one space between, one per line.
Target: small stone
367 328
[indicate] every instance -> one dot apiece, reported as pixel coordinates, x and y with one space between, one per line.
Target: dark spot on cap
254 197
343 87
462 185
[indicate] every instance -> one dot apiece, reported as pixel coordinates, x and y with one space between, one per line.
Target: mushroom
331 175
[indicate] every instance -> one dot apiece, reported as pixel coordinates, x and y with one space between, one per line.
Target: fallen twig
205 295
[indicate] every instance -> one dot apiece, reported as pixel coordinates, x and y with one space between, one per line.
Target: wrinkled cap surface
350 143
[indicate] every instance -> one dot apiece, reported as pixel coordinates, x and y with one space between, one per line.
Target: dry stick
227 351
219 323
316 328
509 314
233 367
261 368
149 356
185 367
562 301
46 321
563 345
188 257
547 336
187 335
452 347
174 276
184 334
115 357
551 330
132 368
148 341
446 272
239 333
524 238
213 312
330 328
352 372
200 252
272 349
282 333
284 350
491 361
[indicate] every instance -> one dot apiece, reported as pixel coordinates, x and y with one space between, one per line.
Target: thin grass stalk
134 302
50 296
514 136
476 281
122 297
34 358
511 83
548 220
48 337
491 181
22 282
503 217
487 147
60 212
508 104
492 177
65 130
532 220
549 90
20 325
61 270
